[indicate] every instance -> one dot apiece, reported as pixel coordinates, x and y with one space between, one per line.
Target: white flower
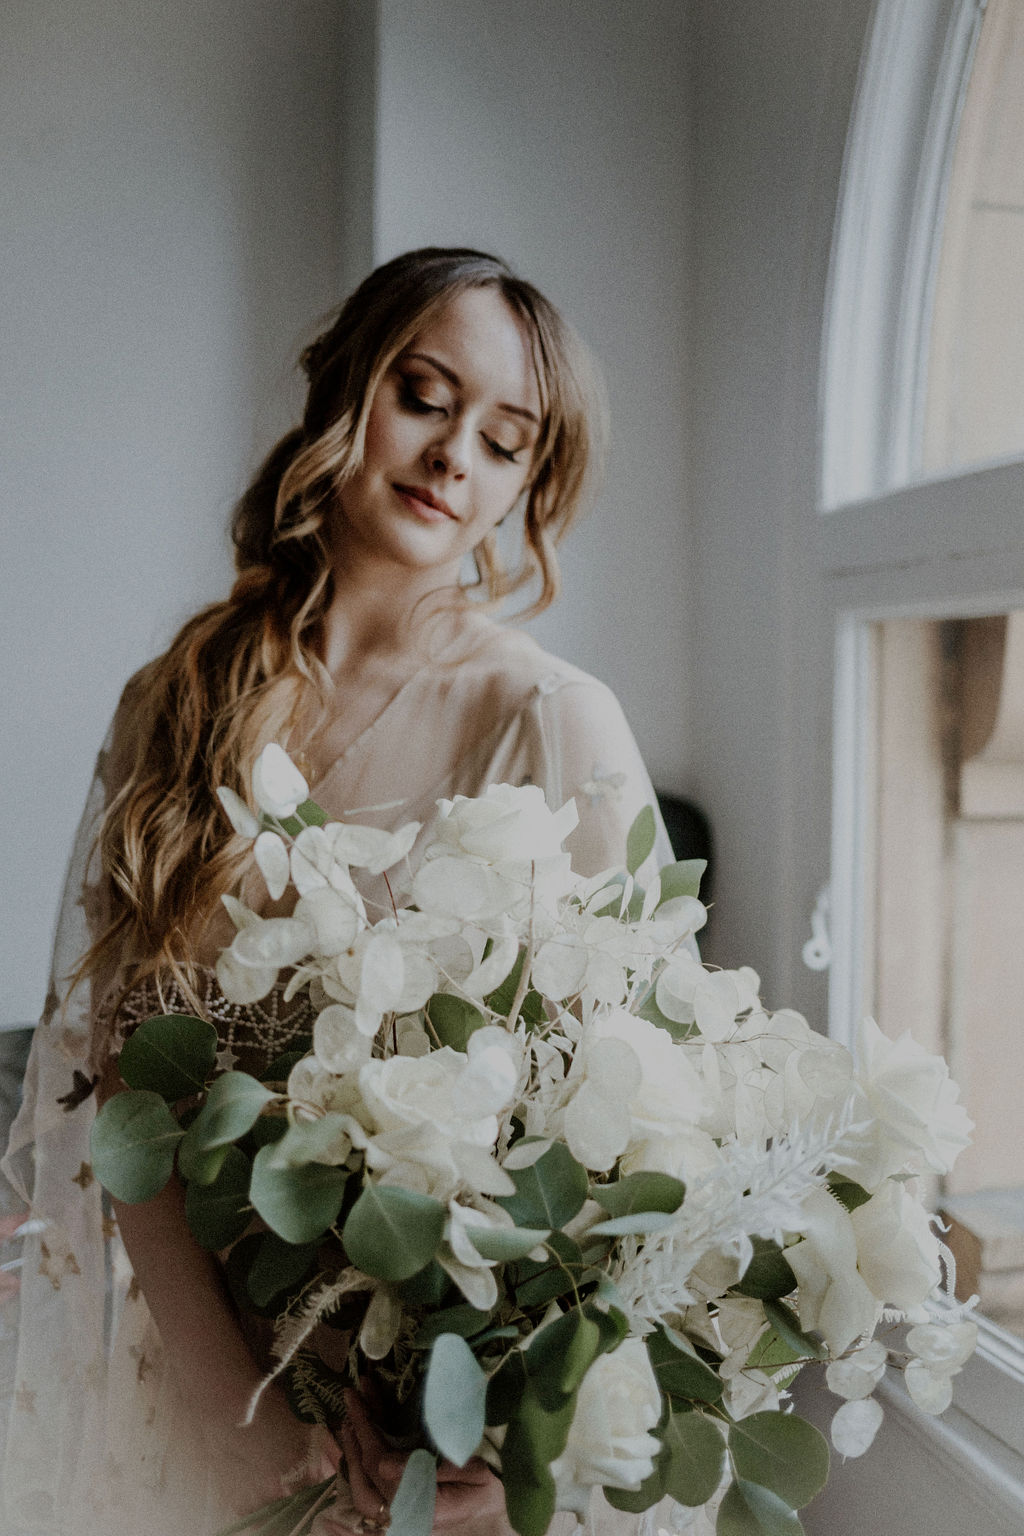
277 785
597 1123
834 1297
506 824
609 1442
940 1350
897 1251
918 1122
669 1095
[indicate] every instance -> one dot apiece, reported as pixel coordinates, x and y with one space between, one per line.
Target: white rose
505 824
408 1091
277 785
897 1251
918 1122
609 1441
669 1095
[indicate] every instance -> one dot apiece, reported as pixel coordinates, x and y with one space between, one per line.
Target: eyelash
411 400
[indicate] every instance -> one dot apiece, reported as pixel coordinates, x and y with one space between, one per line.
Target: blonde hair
244 671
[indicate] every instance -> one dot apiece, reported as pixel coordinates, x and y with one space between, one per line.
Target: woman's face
450 438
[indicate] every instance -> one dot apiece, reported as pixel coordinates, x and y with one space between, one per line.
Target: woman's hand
465 1495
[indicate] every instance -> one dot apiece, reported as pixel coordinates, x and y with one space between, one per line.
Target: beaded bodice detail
251 1035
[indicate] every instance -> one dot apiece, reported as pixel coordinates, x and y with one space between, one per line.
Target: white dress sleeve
575 742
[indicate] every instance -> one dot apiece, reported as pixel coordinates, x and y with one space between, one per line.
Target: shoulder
511 665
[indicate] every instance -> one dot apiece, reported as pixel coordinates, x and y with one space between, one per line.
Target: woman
446 395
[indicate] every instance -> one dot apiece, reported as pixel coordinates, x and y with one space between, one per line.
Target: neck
384 610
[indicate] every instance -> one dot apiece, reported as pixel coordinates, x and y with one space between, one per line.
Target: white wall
557 136
169 231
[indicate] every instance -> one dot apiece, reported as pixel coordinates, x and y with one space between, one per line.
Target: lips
425 504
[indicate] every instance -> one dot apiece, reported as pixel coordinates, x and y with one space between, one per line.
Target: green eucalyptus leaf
640 1192
681 879
426 1288
559 1356
308 814
171 1054
232 1107
848 1193
748 1510
550 1192
531 1009
533 1440
506 1387
650 1492
782 1452
771 1351
218 1213
463 1320
277 1267
612 1326
279 1070
694 1455
640 839
412 1508
650 1011
132 1145
454 1019
681 1374
639 1223
505 1244
768 1275
787 1326
454 1395
391 1233
540 1281
299 1204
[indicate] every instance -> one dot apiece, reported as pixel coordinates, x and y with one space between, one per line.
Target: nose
448 453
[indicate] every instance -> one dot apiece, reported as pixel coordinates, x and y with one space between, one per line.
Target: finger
366 1495
475 1471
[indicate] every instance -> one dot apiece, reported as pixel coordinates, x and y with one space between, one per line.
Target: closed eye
414 402
508 454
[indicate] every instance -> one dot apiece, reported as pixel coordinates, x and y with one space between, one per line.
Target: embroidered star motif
84 1177
109 1227
143 1363
603 786
225 1058
56 1266
25 1399
134 1289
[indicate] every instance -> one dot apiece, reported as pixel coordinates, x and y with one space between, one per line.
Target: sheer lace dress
100 1439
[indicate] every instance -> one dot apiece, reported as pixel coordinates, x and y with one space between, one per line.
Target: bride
447 396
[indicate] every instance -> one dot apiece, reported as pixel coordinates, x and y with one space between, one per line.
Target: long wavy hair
244 671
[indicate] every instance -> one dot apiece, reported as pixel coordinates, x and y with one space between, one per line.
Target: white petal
477 1285
855 1426
277 785
381 1324
457 887
596 1129
490 973
243 983
559 967
271 857
277 941
932 1393
238 813
339 1045
383 973
333 917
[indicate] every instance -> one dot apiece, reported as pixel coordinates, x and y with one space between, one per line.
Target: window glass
949 911
974 402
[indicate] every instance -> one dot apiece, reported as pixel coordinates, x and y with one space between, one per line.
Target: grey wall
557 135
169 229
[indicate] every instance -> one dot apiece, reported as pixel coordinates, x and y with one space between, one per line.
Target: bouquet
579 1205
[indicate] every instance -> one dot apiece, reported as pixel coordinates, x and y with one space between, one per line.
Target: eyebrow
453 378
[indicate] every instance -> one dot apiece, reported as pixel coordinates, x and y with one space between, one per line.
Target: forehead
479 337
